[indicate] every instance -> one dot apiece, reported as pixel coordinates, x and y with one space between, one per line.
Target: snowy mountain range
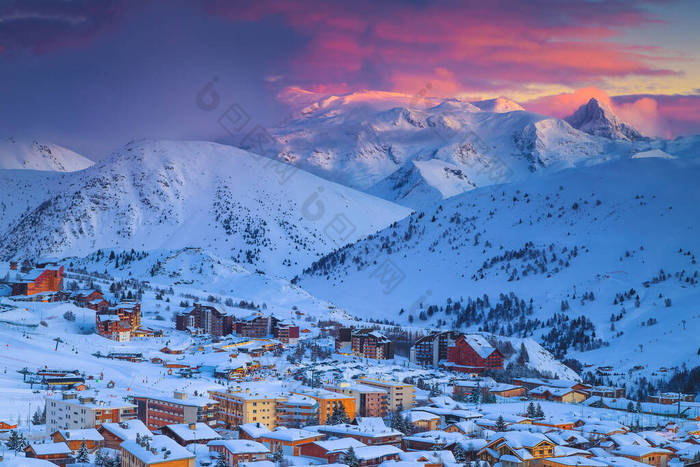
578 233
161 194
416 151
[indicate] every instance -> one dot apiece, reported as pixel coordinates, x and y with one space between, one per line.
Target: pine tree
16 441
339 415
523 357
460 454
500 423
531 411
37 417
100 458
83 455
474 398
539 413
278 456
406 426
350 459
221 460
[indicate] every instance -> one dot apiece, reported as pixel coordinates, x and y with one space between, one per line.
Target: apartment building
400 396
296 411
370 401
157 410
240 407
70 411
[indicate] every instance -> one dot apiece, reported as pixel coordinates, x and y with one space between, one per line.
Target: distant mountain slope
369 140
167 194
570 242
40 156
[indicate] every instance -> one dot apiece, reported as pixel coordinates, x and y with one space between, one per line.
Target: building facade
372 344
68 411
370 401
206 319
157 411
473 353
430 350
400 396
240 407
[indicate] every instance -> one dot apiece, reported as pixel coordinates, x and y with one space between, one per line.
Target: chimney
180 395
193 426
13 265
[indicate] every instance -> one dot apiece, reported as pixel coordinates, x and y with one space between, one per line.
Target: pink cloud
501 44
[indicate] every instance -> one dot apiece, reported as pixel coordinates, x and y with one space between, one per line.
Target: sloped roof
240 446
160 446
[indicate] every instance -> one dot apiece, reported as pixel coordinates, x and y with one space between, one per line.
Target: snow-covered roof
436 436
432 457
517 439
638 451
127 429
372 424
479 344
393 463
374 452
254 430
370 429
193 432
419 415
298 399
45 449
577 461
339 444
617 461
362 388
12 461
257 464
161 448
553 390
629 439
188 401
91 399
290 434
240 446
86 434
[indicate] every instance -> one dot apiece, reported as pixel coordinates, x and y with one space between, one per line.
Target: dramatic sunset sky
94 74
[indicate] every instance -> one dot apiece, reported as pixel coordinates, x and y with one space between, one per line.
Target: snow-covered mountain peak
597 118
498 105
35 155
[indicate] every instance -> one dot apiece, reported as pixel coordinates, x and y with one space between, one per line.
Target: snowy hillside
40 156
369 141
162 194
583 260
